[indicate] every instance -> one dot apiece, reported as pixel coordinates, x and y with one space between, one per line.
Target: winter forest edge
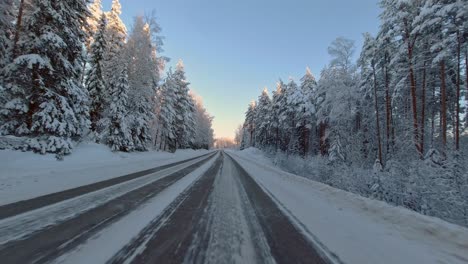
71 72
391 126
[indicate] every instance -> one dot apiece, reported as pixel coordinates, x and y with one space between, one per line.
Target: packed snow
25 175
235 233
353 228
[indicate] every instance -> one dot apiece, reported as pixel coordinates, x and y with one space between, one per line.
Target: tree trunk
19 21
433 115
443 105
379 141
414 102
457 111
423 109
388 106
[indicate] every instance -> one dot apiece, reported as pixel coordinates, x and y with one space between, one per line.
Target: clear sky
233 48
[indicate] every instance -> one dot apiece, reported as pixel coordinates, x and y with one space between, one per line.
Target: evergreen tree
94 22
143 78
249 125
45 99
115 36
184 108
306 111
7 17
95 81
263 120
204 135
119 138
167 114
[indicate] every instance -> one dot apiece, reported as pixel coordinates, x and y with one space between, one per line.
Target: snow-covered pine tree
204 135
7 16
306 111
369 86
95 81
337 89
275 112
184 108
167 114
94 22
263 120
120 138
46 102
249 125
115 36
143 79
283 114
294 98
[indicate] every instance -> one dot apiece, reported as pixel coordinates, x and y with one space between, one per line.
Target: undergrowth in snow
422 186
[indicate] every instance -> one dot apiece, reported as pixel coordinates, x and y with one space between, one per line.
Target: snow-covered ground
25 175
353 228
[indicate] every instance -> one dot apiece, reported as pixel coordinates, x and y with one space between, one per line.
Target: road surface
203 210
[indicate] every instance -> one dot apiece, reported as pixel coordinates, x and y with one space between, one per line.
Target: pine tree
116 33
94 22
249 124
45 100
143 78
119 138
277 98
367 62
184 108
263 120
6 36
204 135
306 110
167 114
95 81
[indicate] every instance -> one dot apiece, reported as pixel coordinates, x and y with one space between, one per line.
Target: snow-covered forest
73 72
391 125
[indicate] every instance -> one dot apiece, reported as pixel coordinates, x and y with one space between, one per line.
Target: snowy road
202 210
215 208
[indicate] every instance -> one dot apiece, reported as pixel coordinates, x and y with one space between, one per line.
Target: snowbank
25 175
354 228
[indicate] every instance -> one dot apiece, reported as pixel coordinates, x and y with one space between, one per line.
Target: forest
391 125
72 72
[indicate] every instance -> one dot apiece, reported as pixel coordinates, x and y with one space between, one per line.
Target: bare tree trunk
443 105
19 22
457 111
433 115
379 141
423 109
414 102
388 106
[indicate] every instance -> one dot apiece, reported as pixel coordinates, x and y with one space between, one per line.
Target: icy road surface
220 208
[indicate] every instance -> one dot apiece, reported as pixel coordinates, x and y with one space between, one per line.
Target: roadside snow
104 245
25 175
354 228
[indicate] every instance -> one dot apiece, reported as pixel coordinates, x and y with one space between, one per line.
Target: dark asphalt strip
47 244
286 242
16 208
168 238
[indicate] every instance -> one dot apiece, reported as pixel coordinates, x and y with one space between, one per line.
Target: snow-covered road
226 207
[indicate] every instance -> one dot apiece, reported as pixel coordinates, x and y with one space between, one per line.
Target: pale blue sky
233 48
